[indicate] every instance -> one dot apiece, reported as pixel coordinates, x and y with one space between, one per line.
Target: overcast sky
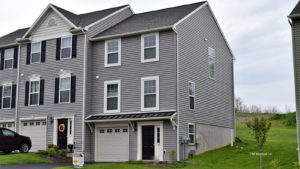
257 31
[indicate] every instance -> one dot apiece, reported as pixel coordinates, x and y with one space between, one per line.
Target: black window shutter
13 96
43 52
26 93
56 94
58 41
28 53
16 49
74 46
2 60
0 97
42 85
73 89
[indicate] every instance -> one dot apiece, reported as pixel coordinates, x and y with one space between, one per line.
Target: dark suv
10 141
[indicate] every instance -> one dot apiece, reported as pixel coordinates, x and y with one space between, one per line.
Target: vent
51 22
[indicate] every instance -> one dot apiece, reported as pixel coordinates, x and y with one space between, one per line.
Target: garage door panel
113 144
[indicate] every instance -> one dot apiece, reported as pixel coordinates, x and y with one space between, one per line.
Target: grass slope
29 158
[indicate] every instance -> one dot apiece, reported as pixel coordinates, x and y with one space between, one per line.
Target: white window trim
119 96
62 76
7 84
61 48
214 58
192 95
143 60
106 53
194 141
143 79
12 65
36 52
35 79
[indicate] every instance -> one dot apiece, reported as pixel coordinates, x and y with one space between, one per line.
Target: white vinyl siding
112 96
66 47
65 88
150 47
112 53
211 62
34 92
150 93
8 58
192 132
36 52
191 89
6 96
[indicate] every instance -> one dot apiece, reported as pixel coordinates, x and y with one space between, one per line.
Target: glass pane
212 70
65 83
36 57
112 90
150 53
34 99
7 133
8 54
6 102
8 64
192 102
34 86
65 96
191 89
66 42
112 103
150 86
35 47
192 138
191 129
112 46
66 53
150 100
6 91
150 41
112 58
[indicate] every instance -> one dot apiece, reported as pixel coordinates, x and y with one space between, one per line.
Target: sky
257 30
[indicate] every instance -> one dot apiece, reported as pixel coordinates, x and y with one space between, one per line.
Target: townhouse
120 86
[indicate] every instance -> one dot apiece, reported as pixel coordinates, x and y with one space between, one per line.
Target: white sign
78 160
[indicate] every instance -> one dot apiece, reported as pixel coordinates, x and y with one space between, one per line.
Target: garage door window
6 96
109 130
125 130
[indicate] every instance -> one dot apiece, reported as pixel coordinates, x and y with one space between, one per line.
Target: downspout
84 89
17 92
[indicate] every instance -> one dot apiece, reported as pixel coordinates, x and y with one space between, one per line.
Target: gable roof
151 20
11 37
296 11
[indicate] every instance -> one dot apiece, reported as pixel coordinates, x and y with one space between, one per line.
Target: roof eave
129 119
8 45
294 16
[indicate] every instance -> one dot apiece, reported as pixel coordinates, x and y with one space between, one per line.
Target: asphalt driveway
35 166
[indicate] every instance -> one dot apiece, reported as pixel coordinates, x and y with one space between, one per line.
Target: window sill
150 60
112 65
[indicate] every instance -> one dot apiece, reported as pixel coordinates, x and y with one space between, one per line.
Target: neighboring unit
120 86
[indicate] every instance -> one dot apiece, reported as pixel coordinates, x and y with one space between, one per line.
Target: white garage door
112 144
37 131
10 126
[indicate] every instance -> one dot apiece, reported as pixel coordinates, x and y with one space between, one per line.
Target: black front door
62 133
148 142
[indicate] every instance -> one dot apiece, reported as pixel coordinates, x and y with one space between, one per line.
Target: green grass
28 158
281 144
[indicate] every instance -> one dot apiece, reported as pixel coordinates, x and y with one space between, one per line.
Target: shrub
62 153
52 152
278 117
136 162
42 152
275 164
50 146
290 120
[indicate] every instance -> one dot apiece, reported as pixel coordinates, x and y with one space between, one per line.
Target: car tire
24 148
7 151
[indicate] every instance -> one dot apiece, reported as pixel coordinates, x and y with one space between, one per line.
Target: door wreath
61 128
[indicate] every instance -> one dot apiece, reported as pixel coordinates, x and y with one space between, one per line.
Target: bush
50 146
62 153
52 152
290 120
42 152
53 146
136 162
278 117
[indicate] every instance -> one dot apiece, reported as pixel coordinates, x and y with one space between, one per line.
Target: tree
238 104
259 129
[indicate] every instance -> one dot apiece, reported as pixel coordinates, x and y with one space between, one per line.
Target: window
112 98
44 123
65 88
7 133
158 135
6 96
66 47
117 130
31 123
211 62
150 93
102 131
150 47
38 123
192 133
34 92
192 95
25 124
125 130
109 131
8 58
112 53
36 52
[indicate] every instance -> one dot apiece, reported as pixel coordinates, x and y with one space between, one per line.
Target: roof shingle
11 37
296 10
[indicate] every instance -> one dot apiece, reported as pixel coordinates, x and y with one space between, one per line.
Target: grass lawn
19 158
281 144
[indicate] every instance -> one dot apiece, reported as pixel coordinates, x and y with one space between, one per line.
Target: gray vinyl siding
214 103
133 145
296 52
49 71
109 22
9 75
170 139
132 70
